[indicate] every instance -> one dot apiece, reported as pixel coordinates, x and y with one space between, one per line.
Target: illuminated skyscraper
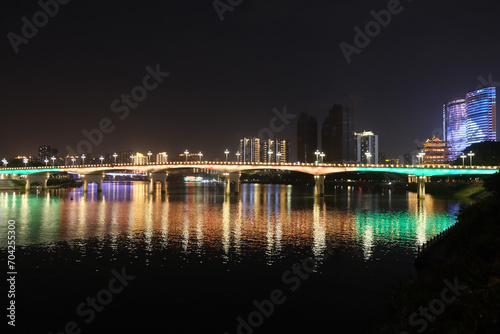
454 126
366 141
481 115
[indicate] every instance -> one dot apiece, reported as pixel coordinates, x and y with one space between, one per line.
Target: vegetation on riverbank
468 259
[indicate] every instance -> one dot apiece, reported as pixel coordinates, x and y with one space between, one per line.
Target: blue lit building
454 126
481 115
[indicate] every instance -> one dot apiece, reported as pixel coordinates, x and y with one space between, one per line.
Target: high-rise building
454 126
257 150
46 152
337 135
250 150
307 138
283 148
162 157
481 115
366 141
266 146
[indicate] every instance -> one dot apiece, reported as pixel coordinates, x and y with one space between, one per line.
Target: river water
372 237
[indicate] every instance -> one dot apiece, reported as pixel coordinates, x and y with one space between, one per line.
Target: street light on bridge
317 154
278 155
368 156
166 157
238 156
186 152
149 155
463 156
5 162
322 155
83 159
73 159
53 158
270 152
46 161
200 155
226 152
470 154
132 157
114 156
101 158
25 160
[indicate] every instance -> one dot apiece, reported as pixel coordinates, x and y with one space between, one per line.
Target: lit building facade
46 152
366 141
257 150
481 115
436 151
455 126
162 157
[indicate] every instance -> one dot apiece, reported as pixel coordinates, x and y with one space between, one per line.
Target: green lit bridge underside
428 171
232 167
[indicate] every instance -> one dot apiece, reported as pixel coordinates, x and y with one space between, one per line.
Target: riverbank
458 285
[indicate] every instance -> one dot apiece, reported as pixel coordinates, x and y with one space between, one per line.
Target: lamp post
368 156
4 163
149 156
420 157
470 154
166 157
186 152
278 157
200 155
238 156
114 156
25 160
101 158
317 154
46 161
463 156
322 155
53 158
132 157
226 152
83 159
73 159
270 152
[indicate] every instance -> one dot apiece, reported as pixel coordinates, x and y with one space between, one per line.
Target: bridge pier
421 187
157 177
92 178
40 178
232 177
319 188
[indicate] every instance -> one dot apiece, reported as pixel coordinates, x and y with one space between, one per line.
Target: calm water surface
241 245
262 218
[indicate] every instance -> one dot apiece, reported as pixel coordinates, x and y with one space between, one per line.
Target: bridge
158 172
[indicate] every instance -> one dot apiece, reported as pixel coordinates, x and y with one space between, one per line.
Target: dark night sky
226 77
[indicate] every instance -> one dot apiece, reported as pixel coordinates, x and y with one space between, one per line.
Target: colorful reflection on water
268 219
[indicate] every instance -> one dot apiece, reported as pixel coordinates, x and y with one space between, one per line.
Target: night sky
226 77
